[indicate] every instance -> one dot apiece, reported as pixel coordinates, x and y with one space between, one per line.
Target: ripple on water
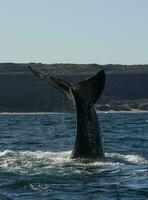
33 170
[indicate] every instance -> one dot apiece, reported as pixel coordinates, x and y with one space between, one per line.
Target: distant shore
23 93
55 113
30 113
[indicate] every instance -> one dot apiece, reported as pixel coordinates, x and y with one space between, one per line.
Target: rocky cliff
21 91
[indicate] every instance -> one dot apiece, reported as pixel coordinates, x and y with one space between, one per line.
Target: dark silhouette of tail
84 94
61 85
89 90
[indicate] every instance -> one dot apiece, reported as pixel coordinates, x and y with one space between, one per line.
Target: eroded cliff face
20 91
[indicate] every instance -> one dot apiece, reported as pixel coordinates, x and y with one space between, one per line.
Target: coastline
55 113
30 113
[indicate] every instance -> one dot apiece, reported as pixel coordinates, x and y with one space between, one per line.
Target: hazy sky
74 31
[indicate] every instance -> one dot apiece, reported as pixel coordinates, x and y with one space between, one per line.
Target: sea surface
35 159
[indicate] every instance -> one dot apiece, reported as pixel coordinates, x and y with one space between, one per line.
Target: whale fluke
61 85
88 143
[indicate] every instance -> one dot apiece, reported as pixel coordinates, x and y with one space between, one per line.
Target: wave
37 161
4 197
41 171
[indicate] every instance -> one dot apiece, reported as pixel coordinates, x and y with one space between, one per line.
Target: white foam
133 159
39 187
37 161
27 160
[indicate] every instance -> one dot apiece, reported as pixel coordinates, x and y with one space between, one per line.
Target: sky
74 31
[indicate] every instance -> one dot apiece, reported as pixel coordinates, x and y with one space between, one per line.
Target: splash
24 161
131 159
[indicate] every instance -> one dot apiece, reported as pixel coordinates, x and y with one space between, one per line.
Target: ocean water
35 159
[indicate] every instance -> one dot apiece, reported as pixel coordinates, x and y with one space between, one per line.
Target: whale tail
59 84
87 91
88 143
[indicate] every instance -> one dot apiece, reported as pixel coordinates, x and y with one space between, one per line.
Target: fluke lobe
84 94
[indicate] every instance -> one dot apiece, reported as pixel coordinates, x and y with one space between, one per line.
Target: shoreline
55 113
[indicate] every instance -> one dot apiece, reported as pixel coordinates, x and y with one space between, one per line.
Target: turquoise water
35 159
